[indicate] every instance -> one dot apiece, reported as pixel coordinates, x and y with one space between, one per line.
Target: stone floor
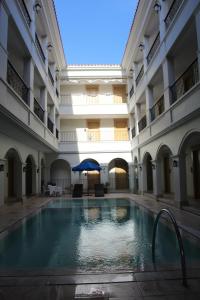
58 285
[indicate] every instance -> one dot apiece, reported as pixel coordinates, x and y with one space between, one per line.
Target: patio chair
99 190
78 190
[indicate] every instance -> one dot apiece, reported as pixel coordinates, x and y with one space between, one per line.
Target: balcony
57 134
38 110
17 83
185 82
172 11
153 49
94 135
39 47
50 77
157 109
142 123
131 92
25 12
140 74
133 132
50 124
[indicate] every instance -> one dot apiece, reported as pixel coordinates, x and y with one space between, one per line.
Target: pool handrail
178 235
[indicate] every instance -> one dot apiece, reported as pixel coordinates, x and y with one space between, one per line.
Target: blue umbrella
87 166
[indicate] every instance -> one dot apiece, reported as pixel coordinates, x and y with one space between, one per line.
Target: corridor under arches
60 174
118 174
147 173
30 176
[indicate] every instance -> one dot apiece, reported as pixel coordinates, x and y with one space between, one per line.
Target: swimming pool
95 234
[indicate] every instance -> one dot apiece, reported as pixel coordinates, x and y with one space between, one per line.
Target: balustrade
25 12
142 123
140 74
157 109
50 125
39 47
153 49
172 11
38 110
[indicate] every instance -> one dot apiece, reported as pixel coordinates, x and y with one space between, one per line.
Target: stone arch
189 163
30 176
60 174
13 181
164 170
147 173
118 174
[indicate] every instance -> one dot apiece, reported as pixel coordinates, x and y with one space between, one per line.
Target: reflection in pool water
91 235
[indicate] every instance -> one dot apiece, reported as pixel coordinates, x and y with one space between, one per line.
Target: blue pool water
91 235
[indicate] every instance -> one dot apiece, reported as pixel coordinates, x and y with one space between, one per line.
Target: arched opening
148 173
60 174
118 174
165 170
190 166
14 176
30 176
93 177
42 174
135 170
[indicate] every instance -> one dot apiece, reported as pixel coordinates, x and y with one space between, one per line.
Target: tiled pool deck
58 285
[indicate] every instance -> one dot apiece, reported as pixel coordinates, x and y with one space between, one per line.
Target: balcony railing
142 123
153 49
85 100
50 124
133 132
25 12
17 83
94 135
131 92
57 133
185 82
140 74
38 110
172 11
39 47
157 109
50 76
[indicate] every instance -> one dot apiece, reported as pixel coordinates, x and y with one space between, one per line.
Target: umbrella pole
87 185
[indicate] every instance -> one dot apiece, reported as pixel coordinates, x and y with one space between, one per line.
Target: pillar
149 103
197 21
137 117
156 178
168 80
29 76
3 41
2 183
131 177
23 170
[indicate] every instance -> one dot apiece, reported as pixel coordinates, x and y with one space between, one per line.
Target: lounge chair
99 190
78 190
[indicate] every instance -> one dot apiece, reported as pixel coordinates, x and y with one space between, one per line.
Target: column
2 181
162 14
23 181
137 117
156 179
168 79
149 103
131 125
197 19
179 170
3 41
141 177
131 177
43 96
29 78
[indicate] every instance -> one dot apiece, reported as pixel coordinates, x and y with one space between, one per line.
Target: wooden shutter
93 130
121 129
119 92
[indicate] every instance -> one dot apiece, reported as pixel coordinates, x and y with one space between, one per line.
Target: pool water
95 234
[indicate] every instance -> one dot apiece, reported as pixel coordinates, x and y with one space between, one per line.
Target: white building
54 116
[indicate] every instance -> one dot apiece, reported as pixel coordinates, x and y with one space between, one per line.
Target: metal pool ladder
178 235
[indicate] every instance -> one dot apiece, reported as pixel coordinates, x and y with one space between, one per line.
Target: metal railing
178 235
57 133
17 83
158 108
25 12
94 135
133 132
50 124
185 82
172 11
131 92
50 76
140 74
82 99
39 47
38 110
154 47
142 123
